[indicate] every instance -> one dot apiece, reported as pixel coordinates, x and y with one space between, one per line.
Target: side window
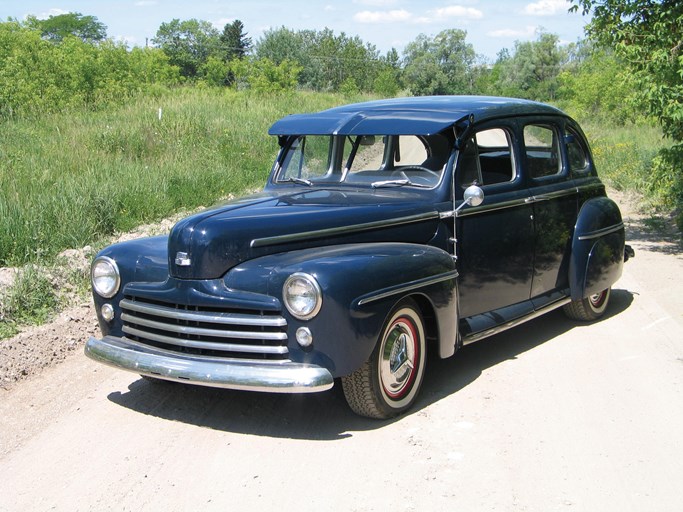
578 158
410 150
487 159
307 158
542 151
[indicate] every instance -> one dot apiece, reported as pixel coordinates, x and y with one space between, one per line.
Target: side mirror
473 195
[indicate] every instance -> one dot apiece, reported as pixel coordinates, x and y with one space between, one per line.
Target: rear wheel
590 308
388 382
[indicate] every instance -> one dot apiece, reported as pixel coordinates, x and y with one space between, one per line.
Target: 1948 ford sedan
387 230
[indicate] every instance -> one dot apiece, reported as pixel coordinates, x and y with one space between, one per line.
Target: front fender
597 257
141 260
361 283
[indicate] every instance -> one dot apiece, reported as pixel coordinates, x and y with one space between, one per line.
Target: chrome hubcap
597 299
398 358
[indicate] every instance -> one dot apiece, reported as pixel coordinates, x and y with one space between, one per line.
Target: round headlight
105 277
302 296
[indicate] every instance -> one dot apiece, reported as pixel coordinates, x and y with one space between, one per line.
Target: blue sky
490 25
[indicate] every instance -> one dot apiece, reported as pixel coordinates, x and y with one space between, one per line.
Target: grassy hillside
69 180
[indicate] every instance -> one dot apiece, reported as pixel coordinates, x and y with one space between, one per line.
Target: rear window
542 151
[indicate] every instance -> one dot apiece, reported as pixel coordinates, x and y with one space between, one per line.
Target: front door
495 240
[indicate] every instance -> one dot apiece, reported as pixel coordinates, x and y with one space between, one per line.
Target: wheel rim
399 358
597 300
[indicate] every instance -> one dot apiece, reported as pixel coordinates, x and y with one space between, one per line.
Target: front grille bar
209 345
214 318
198 331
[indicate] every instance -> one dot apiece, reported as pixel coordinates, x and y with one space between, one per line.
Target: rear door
554 199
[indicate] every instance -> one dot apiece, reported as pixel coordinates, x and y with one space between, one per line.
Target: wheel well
430 323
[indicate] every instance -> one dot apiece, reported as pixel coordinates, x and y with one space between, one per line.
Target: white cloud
547 7
458 11
528 31
145 3
376 3
51 12
382 16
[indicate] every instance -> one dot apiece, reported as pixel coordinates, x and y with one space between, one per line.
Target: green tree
531 71
327 60
596 85
439 65
56 28
647 36
234 41
188 44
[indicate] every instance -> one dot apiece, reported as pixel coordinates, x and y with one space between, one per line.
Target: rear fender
597 257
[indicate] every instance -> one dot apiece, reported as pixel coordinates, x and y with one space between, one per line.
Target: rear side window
487 159
578 157
542 151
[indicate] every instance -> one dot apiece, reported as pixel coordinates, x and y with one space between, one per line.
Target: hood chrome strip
342 230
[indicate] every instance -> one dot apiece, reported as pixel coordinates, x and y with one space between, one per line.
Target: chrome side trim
198 331
214 318
547 196
342 230
248 375
471 338
602 232
474 210
593 186
414 285
208 345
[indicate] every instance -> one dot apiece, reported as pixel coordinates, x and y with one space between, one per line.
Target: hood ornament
182 260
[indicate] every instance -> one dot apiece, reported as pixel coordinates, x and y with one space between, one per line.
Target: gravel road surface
549 416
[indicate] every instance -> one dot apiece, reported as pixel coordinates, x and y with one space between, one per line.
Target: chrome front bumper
277 377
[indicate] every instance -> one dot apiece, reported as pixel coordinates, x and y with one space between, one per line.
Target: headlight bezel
309 282
115 274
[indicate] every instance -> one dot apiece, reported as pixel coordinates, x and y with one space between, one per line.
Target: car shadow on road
325 416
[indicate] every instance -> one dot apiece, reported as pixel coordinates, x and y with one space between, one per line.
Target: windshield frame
343 152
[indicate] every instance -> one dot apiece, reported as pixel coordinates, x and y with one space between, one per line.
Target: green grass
69 180
623 154
31 300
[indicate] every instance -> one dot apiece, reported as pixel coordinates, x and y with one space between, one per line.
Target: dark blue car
387 231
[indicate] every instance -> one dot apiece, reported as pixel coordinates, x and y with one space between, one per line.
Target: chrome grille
205 331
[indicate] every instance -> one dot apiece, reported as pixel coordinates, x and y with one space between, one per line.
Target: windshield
365 160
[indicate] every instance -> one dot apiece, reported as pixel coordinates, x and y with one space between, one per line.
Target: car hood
208 244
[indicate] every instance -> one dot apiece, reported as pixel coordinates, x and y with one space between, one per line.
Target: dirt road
550 416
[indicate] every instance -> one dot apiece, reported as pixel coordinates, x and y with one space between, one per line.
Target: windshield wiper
300 181
398 183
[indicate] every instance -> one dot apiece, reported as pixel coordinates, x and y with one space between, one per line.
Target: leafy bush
38 77
263 75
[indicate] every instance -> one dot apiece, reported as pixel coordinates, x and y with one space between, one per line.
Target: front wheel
590 308
388 382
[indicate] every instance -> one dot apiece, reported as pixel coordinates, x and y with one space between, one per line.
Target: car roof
422 115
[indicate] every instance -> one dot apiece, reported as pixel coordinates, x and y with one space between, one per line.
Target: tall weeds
69 180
